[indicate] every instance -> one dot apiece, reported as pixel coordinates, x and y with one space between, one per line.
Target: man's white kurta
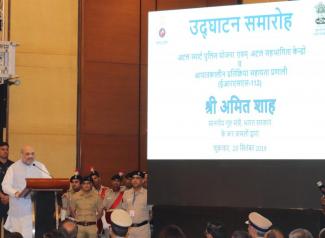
20 209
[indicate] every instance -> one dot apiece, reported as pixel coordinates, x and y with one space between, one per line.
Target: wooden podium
43 192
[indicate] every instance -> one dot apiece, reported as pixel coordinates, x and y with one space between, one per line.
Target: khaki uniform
110 198
66 199
108 201
103 190
123 188
86 207
135 203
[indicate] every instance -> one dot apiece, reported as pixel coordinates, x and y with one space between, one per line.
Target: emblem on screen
320 10
162 32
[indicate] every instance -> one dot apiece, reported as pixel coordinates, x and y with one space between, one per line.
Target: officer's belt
86 223
139 224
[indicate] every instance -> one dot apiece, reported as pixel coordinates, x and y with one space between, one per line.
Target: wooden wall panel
109 86
110 98
146 6
113 81
109 154
179 4
43 109
221 2
143 116
111 30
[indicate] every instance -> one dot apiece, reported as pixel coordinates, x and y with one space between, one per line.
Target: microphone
44 171
321 187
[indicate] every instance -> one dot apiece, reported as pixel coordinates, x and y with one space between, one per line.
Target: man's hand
17 194
4 199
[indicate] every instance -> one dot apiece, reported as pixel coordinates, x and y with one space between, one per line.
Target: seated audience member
53 234
274 233
216 230
14 235
68 229
120 223
240 234
172 231
321 233
258 225
300 233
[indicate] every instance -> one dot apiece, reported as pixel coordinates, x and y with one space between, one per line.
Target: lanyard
134 196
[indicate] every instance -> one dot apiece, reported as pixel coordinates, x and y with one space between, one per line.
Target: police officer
127 181
75 186
112 201
86 208
145 181
97 182
101 191
258 225
4 165
121 221
214 230
135 203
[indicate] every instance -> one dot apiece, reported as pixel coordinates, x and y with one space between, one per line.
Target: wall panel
146 6
222 2
111 31
113 80
172 4
110 98
43 109
109 154
109 86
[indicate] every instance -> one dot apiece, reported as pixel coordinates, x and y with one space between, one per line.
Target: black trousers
2 222
3 218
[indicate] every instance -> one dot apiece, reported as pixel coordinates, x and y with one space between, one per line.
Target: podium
45 212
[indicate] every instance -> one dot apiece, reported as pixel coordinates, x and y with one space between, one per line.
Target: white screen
237 82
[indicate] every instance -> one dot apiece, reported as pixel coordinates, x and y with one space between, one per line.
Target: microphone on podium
44 171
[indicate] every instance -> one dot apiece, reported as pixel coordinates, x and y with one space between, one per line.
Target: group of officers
97 210
90 205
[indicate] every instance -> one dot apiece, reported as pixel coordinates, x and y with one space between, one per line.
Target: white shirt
20 209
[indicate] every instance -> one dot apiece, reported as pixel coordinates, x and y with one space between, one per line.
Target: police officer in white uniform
258 225
121 221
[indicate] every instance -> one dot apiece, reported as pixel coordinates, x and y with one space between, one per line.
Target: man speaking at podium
20 208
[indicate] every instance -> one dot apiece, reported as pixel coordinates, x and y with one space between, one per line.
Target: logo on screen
320 18
162 32
161 38
320 10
